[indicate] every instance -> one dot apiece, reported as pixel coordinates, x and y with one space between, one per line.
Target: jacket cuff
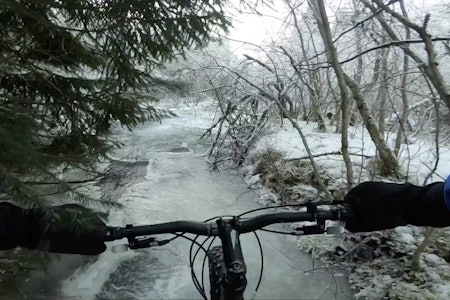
5 232
447 192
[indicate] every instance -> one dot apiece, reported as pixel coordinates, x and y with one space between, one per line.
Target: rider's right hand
379 205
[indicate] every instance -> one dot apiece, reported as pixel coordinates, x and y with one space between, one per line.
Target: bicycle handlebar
211 228
235 282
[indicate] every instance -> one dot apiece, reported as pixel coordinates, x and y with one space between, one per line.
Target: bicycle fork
236 281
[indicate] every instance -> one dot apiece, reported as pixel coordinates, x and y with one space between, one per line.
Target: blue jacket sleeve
447 192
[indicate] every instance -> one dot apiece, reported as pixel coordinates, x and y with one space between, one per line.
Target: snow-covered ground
417 158
380 262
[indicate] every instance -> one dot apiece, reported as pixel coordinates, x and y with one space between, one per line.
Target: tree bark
403 128
358 38
337 111
390 164
359 62
331 53
315 98
382 94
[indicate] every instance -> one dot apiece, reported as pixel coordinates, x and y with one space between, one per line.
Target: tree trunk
389 162
331 53
358 38
403 128
337 110
357 77
428 238
382 94
315 98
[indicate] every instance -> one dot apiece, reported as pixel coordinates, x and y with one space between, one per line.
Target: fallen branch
328 153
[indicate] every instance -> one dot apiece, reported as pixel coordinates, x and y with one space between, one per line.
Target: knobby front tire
216 272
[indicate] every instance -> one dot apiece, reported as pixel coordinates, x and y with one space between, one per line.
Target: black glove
17 227
378 205
68 228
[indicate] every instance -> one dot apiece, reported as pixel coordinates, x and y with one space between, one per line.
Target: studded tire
216 272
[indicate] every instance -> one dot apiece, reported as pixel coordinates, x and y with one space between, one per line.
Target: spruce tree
69 69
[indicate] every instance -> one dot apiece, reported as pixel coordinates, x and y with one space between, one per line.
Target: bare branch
259 63
431 69
363 21
394 43
326 154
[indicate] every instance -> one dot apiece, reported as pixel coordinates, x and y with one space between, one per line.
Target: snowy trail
176 185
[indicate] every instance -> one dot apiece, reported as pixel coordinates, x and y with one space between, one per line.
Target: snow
416 159
389 277
407 236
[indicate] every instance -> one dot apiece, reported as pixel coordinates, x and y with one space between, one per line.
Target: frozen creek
171 182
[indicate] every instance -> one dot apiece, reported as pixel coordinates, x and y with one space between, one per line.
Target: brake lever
311 229
320 227
134 243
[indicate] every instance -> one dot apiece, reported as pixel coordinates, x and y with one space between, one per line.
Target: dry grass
287 179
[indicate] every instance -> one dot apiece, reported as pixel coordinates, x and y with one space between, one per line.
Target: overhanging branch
394 43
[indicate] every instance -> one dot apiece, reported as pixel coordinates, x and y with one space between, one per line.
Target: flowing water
168 180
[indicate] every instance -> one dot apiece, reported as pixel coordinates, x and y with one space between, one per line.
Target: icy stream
175 184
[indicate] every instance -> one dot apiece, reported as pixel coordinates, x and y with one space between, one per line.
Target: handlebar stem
236 269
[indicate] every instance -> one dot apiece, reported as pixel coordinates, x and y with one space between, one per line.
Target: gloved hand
68 228
378 205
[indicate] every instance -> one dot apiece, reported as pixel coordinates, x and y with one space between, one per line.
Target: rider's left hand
69 228
76 230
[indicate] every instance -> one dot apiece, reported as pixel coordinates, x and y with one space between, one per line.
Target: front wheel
216 272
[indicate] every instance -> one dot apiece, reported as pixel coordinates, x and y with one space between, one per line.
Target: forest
343 92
